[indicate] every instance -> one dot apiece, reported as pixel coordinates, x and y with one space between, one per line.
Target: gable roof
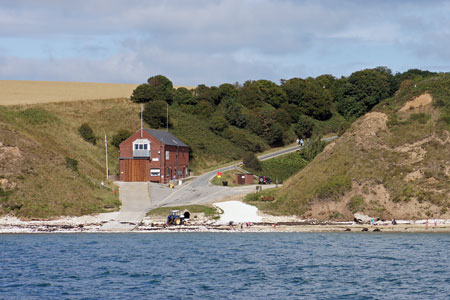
165 137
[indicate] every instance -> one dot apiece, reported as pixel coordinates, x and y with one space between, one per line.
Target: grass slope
38 142
389 164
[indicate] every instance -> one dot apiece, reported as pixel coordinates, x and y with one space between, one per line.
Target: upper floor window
141 148
167 155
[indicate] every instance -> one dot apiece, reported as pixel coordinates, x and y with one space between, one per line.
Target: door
135 170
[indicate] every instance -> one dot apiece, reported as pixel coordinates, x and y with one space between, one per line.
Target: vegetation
221 124
209 211
120 136
87 133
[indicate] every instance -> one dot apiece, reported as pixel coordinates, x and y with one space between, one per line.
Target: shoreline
12 225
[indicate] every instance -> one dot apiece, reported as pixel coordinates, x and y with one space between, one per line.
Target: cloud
217 41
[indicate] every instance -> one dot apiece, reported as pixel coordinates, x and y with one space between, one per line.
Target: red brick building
153 155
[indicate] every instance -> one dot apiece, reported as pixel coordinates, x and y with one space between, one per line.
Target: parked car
264 180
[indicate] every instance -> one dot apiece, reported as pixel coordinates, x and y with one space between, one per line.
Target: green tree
142 93
162 88
310 96
251 161
274 135
304 127
218 124
184 96
234 115
87 133
119 137
155 114
362 91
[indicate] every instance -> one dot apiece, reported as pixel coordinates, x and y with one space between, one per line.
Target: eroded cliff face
393 162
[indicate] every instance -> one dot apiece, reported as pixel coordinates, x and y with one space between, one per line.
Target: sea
225 266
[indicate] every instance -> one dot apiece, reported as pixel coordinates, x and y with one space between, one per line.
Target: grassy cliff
394 162
47 169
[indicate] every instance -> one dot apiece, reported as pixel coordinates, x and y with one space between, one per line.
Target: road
135 198
140 197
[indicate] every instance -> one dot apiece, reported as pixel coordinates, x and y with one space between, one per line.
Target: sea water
225 266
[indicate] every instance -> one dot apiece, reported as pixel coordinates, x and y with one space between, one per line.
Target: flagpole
142 109
106 147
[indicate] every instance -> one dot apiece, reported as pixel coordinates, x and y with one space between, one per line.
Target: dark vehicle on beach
264 180
176 218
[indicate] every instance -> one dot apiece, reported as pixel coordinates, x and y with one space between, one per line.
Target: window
155 172
136 146
167 155
145 146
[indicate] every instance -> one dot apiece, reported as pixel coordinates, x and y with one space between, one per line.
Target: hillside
39 145
393 162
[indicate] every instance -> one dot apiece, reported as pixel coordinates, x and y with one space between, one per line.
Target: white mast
106 148
141 118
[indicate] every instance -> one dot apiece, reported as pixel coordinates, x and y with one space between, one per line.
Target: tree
87 133
304 127
142 93
119 137
184 96
362 91
218 124
157 88
274 135
251 161
233 114
155 114
310 96
162 88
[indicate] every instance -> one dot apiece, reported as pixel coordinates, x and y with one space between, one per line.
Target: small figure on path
394 222
301 142
426 224
298 141
435 223
102 184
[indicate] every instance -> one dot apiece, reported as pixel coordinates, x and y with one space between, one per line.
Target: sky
218 41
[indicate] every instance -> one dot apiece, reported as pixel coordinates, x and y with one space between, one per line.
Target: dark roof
165 137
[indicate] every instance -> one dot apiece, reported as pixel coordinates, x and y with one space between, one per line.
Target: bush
304 127
312 149
335 186
155 114
251 161
87 133
72 164
119 137
218 124
356 204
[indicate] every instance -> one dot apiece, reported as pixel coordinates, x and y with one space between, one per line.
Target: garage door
135 170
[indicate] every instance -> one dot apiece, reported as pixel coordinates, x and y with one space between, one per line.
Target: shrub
333 188
356 204
251 161
155 114
72 164
304 127
312 149
119 137
218 124
87 133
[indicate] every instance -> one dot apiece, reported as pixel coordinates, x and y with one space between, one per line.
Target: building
153 155
245 179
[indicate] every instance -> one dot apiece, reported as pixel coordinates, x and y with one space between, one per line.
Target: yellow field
17 92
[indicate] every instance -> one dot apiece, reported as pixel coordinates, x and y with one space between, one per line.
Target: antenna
167 118
142 109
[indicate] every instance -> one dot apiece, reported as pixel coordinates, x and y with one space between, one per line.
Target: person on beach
426 224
